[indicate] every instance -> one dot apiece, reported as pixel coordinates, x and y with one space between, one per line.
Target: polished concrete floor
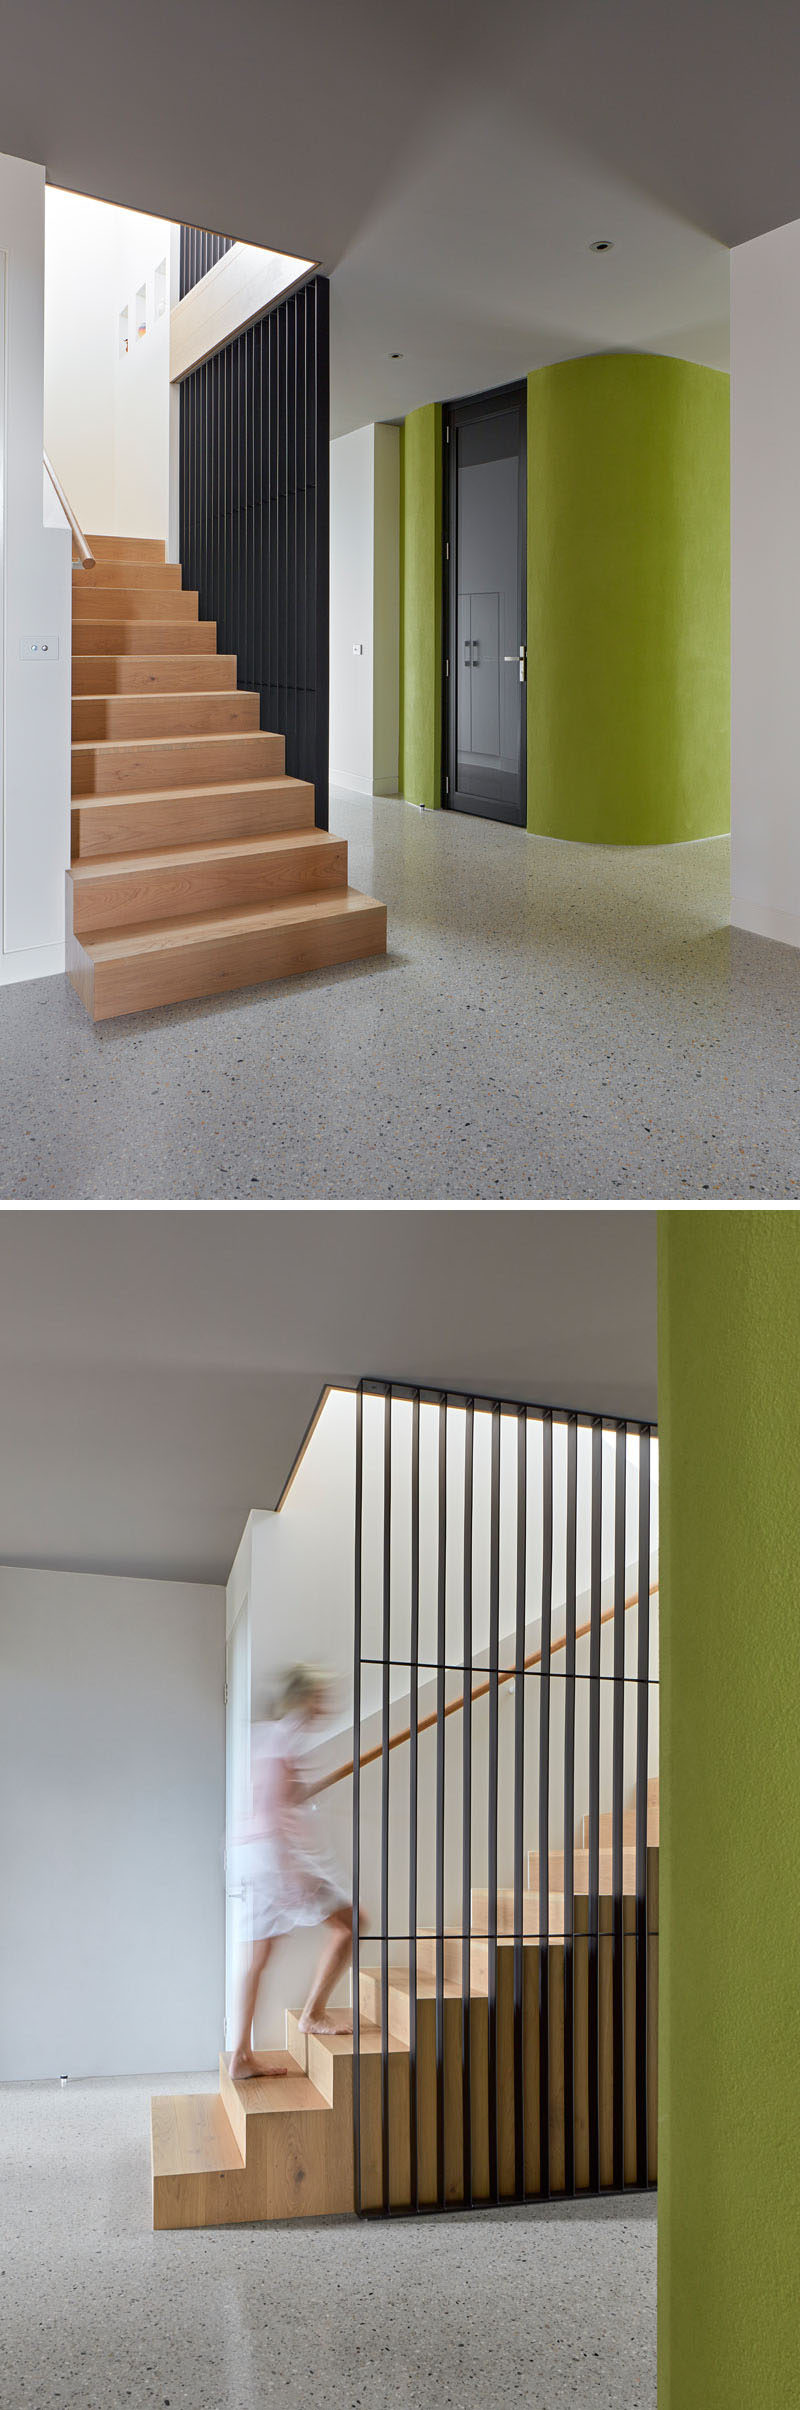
552 1021
541 2307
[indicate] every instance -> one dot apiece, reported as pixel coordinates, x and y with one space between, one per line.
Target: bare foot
244 2065
324 2024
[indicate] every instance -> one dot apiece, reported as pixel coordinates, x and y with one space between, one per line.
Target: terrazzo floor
540 2307
552 1021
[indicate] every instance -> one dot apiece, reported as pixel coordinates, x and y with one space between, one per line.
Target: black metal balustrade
579 1975
254 517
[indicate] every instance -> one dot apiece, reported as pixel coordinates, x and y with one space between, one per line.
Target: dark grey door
485 616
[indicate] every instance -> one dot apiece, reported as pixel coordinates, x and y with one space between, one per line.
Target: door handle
466 652
522 658
475 654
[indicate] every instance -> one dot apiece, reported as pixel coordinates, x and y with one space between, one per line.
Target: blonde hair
299 1686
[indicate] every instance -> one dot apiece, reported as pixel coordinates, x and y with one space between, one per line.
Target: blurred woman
294 1882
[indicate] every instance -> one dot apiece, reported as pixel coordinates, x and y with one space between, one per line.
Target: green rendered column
729 2043
421 606
628 600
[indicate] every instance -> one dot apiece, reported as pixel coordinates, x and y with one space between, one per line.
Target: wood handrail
85 554
508 1673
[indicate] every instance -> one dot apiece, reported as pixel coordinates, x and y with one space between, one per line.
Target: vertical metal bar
319 772
519 1807
544 1806
359 1495
441 1652
413 1684
386 1651
494 1697
570 1656
618 1764
642 1709
466 1810
595 1634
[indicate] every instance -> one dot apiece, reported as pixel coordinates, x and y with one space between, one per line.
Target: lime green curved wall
628 600
728 2202
421 606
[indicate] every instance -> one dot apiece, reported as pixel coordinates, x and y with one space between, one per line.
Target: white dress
292 1879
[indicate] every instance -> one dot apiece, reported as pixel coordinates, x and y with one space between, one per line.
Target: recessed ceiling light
395 355
603 246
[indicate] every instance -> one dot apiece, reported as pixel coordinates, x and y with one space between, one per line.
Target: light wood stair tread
192 2134
131 548
216 849
173 795
340 2045
135 744
163 694
281 2096
107 946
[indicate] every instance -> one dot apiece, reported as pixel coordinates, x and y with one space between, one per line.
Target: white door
237 1809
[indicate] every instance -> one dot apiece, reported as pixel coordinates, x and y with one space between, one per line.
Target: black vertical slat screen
618 1748
595 1637
519 1802
385 1769
642 1703
199 252
357 1609
544 1807
466 1811
254 534
577 1530
441 1655
413 1801
570 1621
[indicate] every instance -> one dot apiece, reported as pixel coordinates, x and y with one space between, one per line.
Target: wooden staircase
196 865
265 2149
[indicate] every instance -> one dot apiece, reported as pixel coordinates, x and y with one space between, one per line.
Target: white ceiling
448 165
158 1369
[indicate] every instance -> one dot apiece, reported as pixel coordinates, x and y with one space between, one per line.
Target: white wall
386 612
34 608
352 458
365 610
765 511
107 414
112 1815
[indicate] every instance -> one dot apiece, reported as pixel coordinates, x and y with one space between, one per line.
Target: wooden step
129 575
102 717
169 816
127 548
270 2148
134 970
606 1827
143 636
141 887
127 767
138 674
98 603
580 1869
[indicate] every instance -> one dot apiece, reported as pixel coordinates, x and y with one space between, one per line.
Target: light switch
39 648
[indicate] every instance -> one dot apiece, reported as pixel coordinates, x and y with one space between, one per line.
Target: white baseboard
344 778
765 920
38 962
